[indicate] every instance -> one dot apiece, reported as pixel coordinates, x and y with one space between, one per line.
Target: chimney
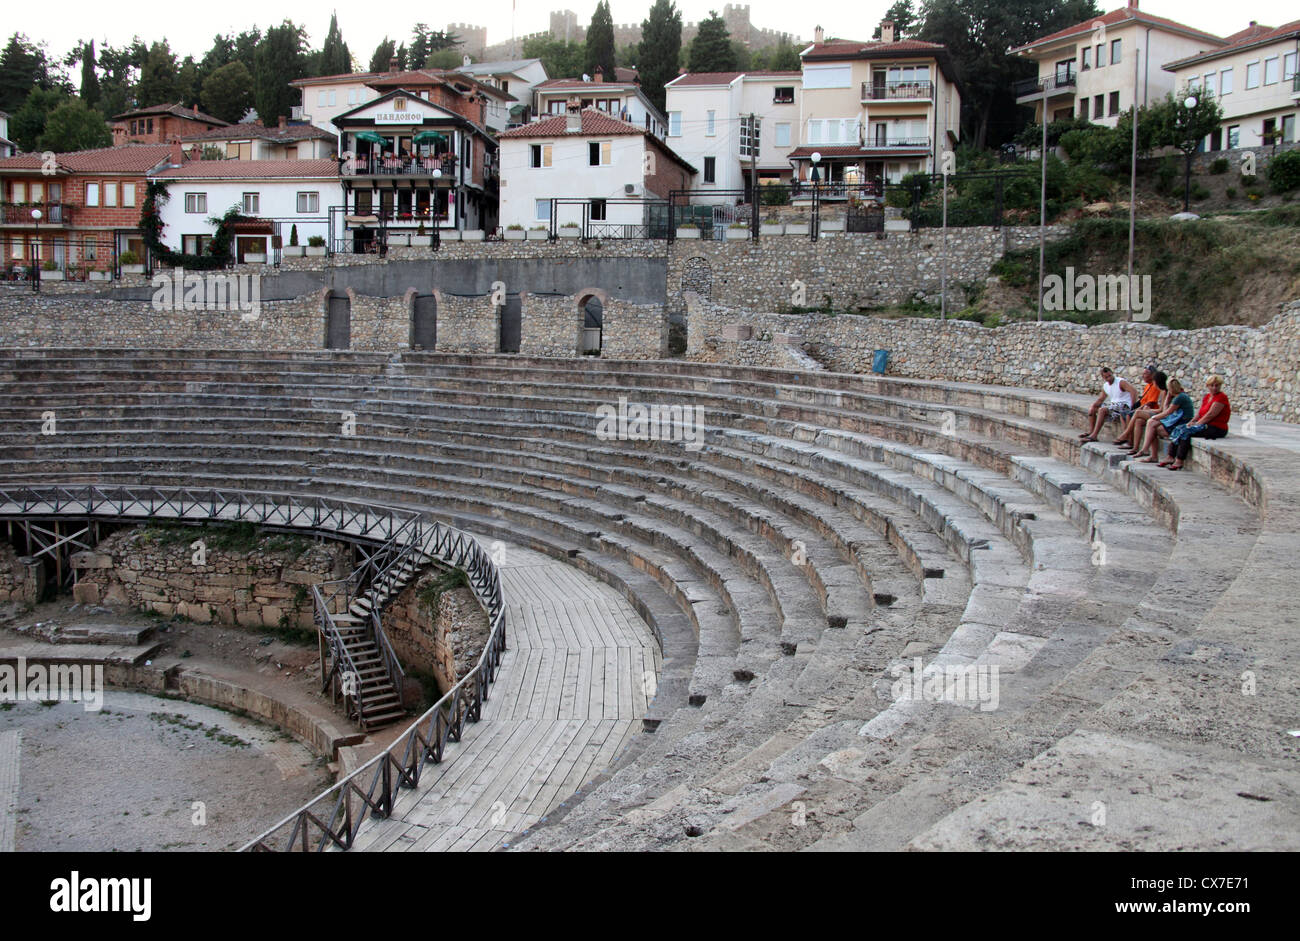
573 122
177 155
819 35
392 64
283 120
1132 4
598 76
886 30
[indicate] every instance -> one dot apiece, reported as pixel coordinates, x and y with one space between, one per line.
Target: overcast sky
189 27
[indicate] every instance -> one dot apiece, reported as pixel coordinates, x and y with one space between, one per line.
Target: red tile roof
726 78
1115 18
1252 35
251 170
176 110
125 158
414 78
851 48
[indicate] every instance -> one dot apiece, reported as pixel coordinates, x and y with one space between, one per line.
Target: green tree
711 50
334 56
278 61
600 42
89 76
74 126
120 68
188 82
28 122
228 92
383 56
560 59
660 50
158 77
444 59
978 34
24 65
783 57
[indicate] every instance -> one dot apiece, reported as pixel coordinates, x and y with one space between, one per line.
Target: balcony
891 143
897 91
21 213
394 216
1061 83
402 166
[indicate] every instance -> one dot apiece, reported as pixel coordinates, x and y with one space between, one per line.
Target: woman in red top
1210 422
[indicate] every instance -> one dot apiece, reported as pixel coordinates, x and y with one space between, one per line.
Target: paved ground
127 778
571 693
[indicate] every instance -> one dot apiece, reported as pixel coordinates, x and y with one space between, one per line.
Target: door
424 322
512 317
593 313
338 322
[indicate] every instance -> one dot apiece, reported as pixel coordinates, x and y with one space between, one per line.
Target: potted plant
130 262
796 228
472 235
570 230
771 225
688 230
538 233
737 231
515 233
50 271
316 246
98 274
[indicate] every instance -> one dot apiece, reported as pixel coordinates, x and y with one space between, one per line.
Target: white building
7 147
517 77
325 97
622 97
1255 79
254 141
598 169
709 125
277 194
1087 70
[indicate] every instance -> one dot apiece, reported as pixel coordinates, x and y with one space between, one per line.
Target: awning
361 220
429 136
372 137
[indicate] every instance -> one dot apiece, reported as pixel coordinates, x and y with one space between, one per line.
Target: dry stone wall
22 578
448 641
1261 365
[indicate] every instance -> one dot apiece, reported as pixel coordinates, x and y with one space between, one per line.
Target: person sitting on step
1115 401
1154 399
1211 421
1177 412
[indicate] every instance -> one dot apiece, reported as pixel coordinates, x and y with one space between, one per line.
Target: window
1098 105
333 97
18 192
1271 73
320 99
783 135
196 202
15 248
541 155
710 169
598 210
1083 108
814 132
598 153
309 202
128 195
1115 51
1101 56
1234 136
92 194
110 194
711 124
833 131
150 125
1087 59
827 76
674 124
1252 75
784 95
38 192
1225 82
1114 104
90 248
542 209
1288 128
252 204
352 96
1289 66
1210 84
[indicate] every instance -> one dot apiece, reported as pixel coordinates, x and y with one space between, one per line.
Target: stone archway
591 306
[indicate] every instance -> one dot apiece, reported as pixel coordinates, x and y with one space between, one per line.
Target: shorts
1119 410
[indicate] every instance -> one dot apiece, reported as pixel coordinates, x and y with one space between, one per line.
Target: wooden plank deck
570 696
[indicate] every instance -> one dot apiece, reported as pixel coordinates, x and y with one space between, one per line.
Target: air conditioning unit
630 189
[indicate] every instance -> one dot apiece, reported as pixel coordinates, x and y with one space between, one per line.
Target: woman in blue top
1179 411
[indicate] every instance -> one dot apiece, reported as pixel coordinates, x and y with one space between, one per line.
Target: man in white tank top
1115 401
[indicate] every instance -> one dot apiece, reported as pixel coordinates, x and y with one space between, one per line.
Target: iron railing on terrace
445 164
1065 80
898 91
21 213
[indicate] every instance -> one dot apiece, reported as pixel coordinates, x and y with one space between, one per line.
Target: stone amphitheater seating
831 529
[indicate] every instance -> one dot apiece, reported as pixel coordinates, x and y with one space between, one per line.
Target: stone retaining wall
1260 365
22 578
448 641
267 587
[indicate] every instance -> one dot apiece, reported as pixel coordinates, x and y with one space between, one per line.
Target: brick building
160 124
88 204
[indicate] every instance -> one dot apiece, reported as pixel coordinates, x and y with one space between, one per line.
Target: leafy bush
1249 179
774 196
1199 191
1219 166
1166 176
1231 192
316 241
293 236
1284 172
129 257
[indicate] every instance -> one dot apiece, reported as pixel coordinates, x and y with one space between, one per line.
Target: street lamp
816 158
1185 118
36 259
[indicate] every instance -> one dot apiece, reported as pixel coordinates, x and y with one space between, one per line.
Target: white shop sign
398 117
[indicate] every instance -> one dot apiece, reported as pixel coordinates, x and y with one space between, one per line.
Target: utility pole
753 175
1042 205
1132 185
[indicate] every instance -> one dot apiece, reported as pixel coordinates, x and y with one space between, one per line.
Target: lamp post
436 241
36 267
816 159
1185 118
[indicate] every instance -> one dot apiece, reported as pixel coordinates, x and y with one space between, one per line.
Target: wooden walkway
571 693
